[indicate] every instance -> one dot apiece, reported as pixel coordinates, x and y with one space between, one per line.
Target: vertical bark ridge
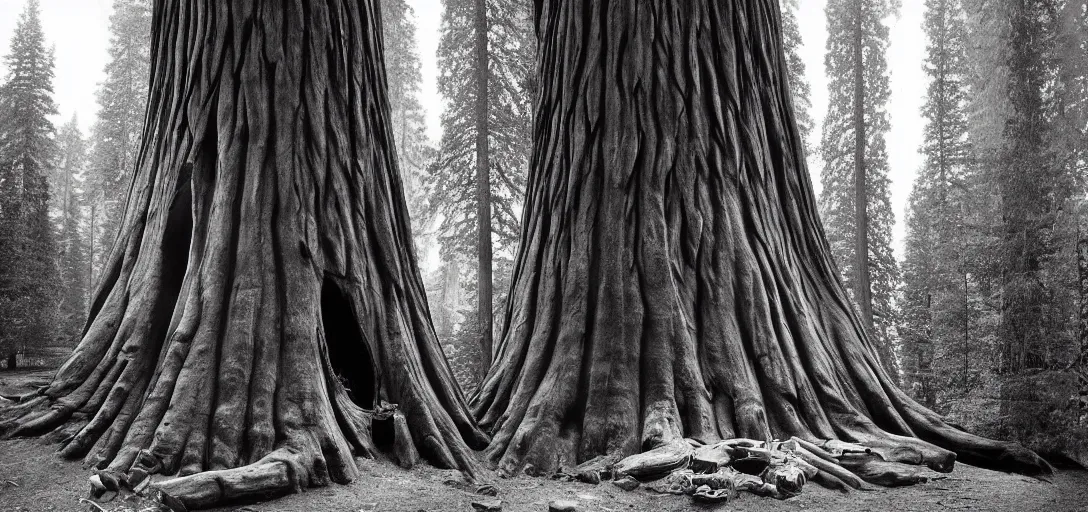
673 279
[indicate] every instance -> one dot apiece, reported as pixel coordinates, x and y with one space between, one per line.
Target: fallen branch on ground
717 472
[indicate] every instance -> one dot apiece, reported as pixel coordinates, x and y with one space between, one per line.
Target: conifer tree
669 219
404 76
1072 145
987 111
263 300
935 329
72 254
799 86
452 176
1021 229
856 163
115 138
27 271
1071 97
1028 182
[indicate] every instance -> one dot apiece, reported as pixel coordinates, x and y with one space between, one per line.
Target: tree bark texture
483 192
263 296
673 279
863 291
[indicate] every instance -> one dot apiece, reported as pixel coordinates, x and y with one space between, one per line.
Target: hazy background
79 31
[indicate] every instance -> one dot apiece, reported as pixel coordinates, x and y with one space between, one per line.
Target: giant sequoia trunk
263 297
673 278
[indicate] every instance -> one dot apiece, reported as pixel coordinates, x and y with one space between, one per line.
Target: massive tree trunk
673 278
263 296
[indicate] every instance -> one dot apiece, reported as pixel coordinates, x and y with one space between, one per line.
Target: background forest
981 311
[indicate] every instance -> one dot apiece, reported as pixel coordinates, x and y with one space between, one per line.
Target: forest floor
33 478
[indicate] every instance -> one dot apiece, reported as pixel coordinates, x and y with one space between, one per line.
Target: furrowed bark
263 298
673 279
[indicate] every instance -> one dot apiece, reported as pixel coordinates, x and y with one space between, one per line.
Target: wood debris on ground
717 472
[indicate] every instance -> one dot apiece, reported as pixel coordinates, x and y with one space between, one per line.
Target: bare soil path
33 478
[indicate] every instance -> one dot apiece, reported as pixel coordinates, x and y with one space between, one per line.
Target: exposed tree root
262 300
280 472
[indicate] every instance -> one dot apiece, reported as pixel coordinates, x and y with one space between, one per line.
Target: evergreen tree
72 257
1037 242
800 90
641 141
404 77
987 110
855 125
935 329
1072 148
1028 179
452 186
115 138
27 271
263 296
1071 95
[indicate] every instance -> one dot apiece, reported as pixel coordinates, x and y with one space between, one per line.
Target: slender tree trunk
925 356
673 280
966 335
263 297
862 287
483 191
1081 364
90 255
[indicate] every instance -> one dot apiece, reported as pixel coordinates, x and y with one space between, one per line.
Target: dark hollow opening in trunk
348 351
383 434
176 239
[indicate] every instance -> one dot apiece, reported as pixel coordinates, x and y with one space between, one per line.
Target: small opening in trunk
348 352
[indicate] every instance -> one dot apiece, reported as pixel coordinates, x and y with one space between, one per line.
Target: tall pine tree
1020 224
1030 191
1071 95
27 271
987 110
800 90
115 139
936 326
1037 240
1072 99
404 76
856 123
72 254
452 181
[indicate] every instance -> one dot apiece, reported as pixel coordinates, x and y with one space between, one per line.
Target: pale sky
79 30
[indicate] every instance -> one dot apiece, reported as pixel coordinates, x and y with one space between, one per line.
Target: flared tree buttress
673 279
263 295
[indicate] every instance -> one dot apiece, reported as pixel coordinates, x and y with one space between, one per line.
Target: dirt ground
33 478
